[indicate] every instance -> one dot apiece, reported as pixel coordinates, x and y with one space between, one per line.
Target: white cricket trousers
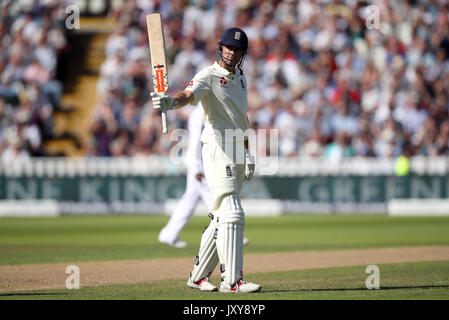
222 240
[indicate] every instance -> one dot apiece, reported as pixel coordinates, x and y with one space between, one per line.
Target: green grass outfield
102 238
401 281
95 238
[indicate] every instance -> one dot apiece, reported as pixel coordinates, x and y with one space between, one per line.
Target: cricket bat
158 60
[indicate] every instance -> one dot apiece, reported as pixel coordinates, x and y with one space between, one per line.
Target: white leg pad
231 225
207 259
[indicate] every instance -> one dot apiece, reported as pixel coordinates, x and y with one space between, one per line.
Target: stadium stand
334 88
32 41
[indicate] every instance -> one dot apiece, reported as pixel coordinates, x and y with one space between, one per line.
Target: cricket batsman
222 90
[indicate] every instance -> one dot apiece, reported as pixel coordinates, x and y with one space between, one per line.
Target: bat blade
158 59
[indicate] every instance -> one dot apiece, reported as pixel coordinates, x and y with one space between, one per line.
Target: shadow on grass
360 289
30 294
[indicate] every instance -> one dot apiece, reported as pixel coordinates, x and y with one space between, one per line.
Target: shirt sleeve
200 86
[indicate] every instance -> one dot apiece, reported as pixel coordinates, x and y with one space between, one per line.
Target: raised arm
182 98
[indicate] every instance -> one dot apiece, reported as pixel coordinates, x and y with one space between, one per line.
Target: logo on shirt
223 82
228 171
191 83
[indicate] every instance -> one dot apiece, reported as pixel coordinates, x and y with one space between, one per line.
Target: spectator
340 148
313 145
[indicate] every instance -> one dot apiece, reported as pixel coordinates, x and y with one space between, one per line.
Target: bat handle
164 120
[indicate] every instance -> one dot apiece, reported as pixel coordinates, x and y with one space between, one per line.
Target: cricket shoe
240 286
178 244
203 284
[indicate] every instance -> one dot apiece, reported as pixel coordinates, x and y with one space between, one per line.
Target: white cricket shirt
224 99
192 159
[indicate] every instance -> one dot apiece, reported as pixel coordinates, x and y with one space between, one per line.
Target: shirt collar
222 70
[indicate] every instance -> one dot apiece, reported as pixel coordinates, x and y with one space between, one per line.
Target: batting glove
161 101
250 166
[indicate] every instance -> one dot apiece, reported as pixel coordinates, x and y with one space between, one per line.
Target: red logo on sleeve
191 83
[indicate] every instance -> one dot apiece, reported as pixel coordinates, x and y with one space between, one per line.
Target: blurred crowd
332 81
31 39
